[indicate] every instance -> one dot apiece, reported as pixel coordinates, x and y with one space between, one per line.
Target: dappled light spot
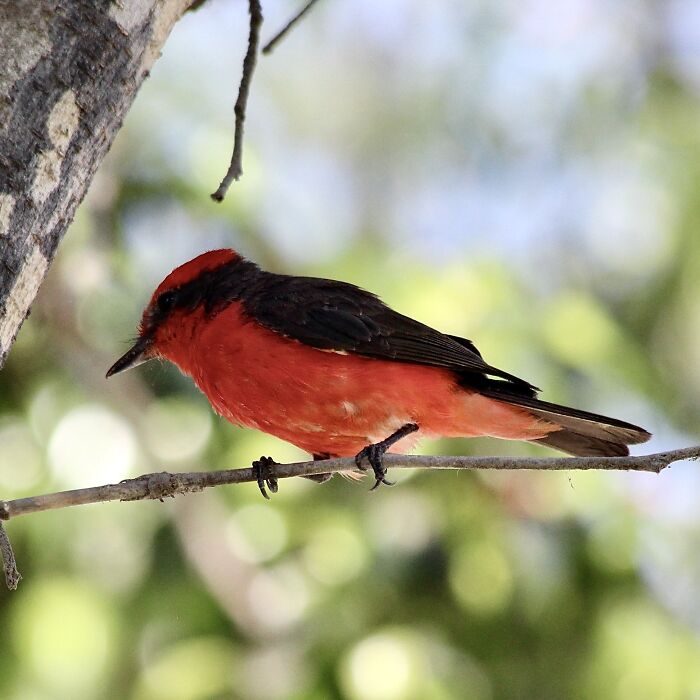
191 669
481 578
383 666
91 445
334 554
256 533
288 678
410 663
65 632
46 409
110 552
279 596
642 652
404 521
177 430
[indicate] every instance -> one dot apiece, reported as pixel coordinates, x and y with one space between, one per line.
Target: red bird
330 368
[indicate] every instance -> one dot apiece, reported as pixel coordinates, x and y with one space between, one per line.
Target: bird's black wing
338 316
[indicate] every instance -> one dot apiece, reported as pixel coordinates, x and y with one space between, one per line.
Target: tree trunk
69 71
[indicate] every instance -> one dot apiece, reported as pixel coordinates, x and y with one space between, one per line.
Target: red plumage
328 367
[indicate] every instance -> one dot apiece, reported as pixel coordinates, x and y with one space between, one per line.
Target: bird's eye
166 301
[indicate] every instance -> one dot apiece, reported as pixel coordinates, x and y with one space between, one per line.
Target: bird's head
190 293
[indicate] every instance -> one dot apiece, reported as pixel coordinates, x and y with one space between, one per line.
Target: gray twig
268 48
161 485
235 169
164 484
9 565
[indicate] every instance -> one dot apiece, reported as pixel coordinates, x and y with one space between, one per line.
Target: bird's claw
261 472
374 454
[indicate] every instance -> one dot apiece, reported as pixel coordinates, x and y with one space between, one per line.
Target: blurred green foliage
523 174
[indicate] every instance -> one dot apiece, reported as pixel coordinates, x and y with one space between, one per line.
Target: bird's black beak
138 354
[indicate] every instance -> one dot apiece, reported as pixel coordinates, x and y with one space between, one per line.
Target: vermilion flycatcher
330 368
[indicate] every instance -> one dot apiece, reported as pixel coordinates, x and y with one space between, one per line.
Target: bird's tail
580 433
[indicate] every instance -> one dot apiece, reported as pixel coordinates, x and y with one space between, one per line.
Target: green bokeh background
524 174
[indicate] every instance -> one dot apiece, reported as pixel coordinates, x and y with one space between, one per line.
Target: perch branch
235 169
269 47
161 485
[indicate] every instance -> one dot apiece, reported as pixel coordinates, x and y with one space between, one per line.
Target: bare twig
268 48
164 484
9 565
235 169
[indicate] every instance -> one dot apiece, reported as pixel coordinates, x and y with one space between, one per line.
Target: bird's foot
374 454
261 471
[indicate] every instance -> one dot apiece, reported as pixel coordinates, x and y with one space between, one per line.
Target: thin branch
235 169
269 47
9 565
162 485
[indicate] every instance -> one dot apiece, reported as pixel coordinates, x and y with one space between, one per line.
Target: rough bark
69 71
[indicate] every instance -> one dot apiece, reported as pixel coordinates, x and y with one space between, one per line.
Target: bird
329 367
